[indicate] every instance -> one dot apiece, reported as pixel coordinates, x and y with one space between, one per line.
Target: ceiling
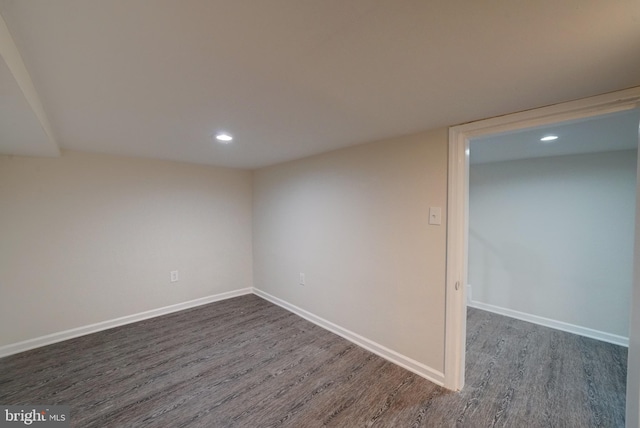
292 78
610 132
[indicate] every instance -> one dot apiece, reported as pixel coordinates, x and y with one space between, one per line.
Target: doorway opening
458 206
551 224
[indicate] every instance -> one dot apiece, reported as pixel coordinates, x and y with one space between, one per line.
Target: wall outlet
174 276
301 282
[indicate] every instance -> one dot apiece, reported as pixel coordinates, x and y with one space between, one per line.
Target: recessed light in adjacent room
224 138
549 138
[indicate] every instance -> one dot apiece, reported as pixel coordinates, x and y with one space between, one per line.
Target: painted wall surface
88 238
553 237
355 222
633 369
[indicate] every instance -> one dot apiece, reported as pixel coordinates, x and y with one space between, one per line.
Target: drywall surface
355 222
88 238
553 237
633 373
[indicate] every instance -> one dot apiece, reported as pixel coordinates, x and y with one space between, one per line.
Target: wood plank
246 362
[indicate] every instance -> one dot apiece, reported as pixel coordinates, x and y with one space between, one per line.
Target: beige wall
354 221
89 238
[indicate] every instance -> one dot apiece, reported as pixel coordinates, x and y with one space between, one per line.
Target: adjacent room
234 213
551 226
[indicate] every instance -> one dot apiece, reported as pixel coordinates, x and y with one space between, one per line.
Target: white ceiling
611 132
291 78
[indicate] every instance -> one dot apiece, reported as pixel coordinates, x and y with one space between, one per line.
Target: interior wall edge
49 339
403 361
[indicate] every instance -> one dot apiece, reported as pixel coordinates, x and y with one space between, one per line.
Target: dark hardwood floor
244 362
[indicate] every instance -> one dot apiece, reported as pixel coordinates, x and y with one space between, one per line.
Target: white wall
553 237
355 222
633 368
89 238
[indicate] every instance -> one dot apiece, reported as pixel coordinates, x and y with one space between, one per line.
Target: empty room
222 213
547 257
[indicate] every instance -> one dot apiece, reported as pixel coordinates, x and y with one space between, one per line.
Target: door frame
458 205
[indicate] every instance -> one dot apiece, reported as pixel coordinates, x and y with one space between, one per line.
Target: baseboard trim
558 325
386 353
416 367
49 339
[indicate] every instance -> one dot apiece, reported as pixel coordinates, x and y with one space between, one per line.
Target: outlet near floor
174 276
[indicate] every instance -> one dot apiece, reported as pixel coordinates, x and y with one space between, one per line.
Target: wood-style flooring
245 362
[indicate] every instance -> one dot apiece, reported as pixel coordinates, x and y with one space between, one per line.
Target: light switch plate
435 215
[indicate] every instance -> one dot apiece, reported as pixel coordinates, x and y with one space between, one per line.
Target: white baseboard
386 353
558 325
26 345
416 367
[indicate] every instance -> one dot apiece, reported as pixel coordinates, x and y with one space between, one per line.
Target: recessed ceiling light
549 138
223 137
